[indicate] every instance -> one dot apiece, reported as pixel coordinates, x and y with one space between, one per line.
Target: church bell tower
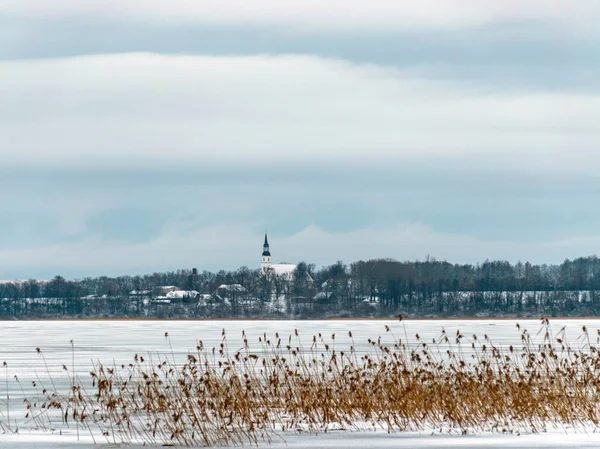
266 257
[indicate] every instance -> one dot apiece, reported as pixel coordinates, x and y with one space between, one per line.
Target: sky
142 136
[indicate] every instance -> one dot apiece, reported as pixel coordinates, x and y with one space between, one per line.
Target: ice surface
342 440
118 341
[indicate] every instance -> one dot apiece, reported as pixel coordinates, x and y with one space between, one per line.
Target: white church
283 270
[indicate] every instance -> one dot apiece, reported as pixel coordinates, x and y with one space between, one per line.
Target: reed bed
264 389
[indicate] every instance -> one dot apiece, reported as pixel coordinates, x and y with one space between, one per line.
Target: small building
227 290
183 294
140 293
164 289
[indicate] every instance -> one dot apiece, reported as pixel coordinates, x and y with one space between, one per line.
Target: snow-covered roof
281 269
182 294
232 287
323 295
140 292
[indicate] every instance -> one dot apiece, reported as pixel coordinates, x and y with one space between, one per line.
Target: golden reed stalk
454 383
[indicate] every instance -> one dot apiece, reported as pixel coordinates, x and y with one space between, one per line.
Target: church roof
283 269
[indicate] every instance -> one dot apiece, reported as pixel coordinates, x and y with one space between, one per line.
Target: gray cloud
464 130
316 14
135 221
218 247
516 55
144 110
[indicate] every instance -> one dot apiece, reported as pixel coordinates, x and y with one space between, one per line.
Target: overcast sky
140 136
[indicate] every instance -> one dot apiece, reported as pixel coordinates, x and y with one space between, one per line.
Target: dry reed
454 383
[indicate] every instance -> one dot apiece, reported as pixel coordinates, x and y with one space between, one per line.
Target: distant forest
374 288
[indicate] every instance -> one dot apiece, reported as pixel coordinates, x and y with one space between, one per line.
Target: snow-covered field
77 344
363 440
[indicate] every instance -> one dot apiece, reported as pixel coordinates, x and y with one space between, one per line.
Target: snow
283 269
339 440
21 281
232 287
117 342
180 294
139 292
322 295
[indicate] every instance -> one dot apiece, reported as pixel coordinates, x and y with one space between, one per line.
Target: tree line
382 287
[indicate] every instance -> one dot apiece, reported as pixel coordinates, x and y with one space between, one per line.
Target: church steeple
266 247
265 263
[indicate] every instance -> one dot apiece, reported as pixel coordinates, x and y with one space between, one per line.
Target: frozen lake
118 341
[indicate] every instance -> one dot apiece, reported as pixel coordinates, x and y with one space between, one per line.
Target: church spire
265 263
266 247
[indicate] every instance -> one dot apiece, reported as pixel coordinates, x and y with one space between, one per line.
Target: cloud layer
313 13
80 223
138 136
228 247
149 110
